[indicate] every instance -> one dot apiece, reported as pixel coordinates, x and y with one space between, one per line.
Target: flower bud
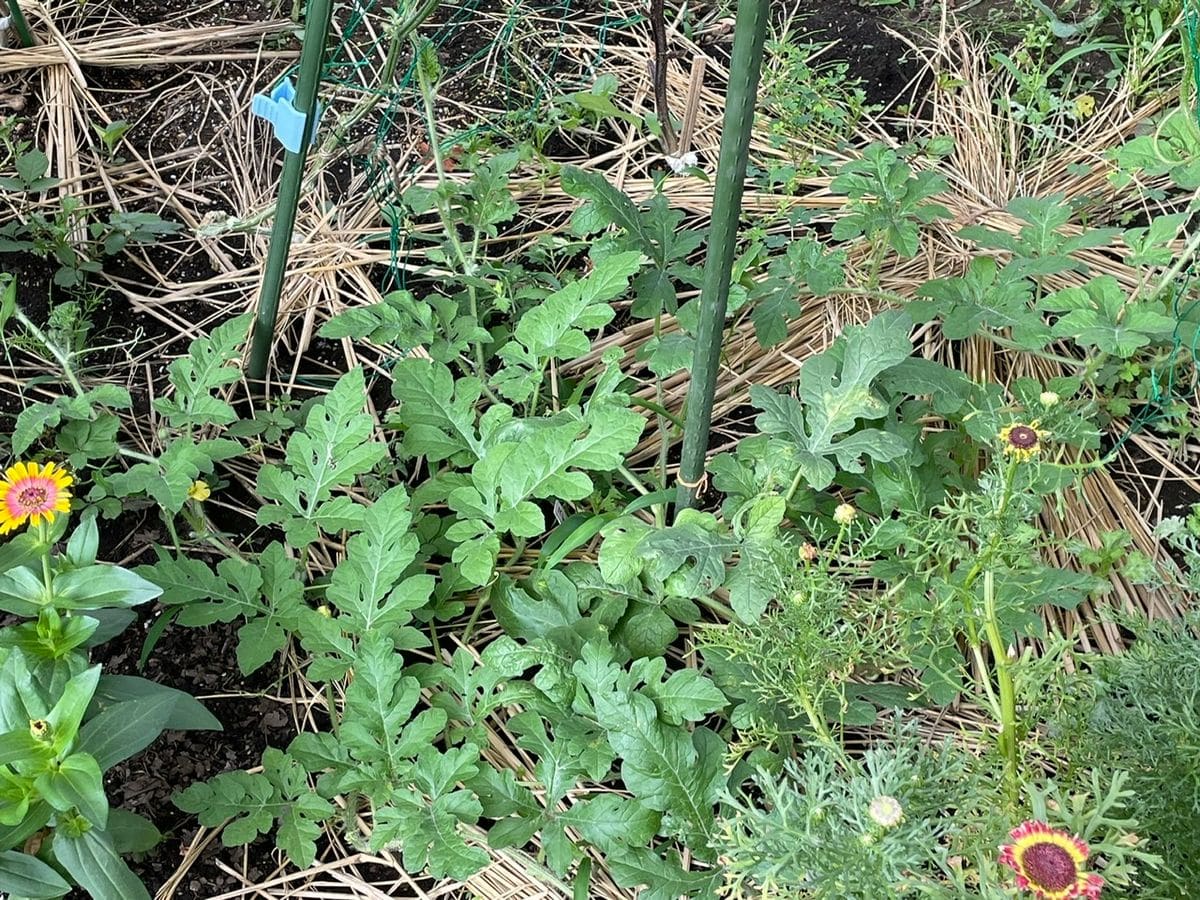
886 812
1048 398
808 552
845 514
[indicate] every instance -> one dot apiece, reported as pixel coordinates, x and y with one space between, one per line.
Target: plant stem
1006 707
984 558
63 360
626 473
136 454
664 443
878 249
750 34
331 705
1008 694
485 598
443 208
821 728
658 30
658 409
795 486
47 574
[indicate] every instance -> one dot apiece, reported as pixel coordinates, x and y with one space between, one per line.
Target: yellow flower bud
845 514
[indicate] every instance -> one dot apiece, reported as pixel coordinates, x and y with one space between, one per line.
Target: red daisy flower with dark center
1049 863
1020 440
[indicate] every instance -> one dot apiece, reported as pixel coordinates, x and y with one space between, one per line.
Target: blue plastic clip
279 109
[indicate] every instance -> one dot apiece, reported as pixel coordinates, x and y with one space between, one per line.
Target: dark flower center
1049 867
32 496
1023 437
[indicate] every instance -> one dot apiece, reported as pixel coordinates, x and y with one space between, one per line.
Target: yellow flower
1022 441
33 493
199 491
845 514
1085 106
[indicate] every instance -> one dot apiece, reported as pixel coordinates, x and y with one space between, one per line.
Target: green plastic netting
509 51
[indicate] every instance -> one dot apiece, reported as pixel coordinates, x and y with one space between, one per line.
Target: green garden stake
19 23
750 34
293 112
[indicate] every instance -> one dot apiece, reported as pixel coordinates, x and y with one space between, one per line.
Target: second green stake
749 36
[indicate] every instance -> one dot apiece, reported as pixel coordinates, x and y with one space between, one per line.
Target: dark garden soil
886 65
201 662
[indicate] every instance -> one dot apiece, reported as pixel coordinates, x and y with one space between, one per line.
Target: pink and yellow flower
33 493
1049 863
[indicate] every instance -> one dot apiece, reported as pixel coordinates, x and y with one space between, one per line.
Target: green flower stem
637 483
43 532
843 530
1008 694
745 65
977 653
1006 706
1009 344
198 521
984 559
138 455
817 722
878 251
